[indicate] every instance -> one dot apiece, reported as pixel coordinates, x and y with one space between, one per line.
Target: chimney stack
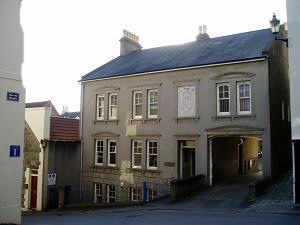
129 43
202 33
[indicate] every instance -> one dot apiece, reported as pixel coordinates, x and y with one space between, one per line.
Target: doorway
187 158
33 199
188 162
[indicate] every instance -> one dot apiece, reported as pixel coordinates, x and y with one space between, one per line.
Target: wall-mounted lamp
275 25
44 143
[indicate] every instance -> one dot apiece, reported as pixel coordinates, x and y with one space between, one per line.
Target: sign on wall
51 179
14 151
12 96
186 101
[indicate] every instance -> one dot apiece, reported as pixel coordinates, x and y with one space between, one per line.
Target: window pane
244 97
113 113
245 104
99 152
223 99
138 110
152 154
100 107
137 160
153 160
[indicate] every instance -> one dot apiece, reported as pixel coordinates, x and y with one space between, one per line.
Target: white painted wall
293 20
39 121
11 113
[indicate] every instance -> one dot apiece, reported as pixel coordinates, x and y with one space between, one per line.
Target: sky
66 39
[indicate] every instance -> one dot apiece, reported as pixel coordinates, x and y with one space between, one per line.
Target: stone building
210 107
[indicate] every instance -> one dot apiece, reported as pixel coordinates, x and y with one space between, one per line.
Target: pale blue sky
65 39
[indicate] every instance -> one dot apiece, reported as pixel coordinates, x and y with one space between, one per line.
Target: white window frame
100 117
152 194
148 155
109 152
134 148
135 103
98 192
219 99
152 103
99 149
110 106
239 112
136 196
109 192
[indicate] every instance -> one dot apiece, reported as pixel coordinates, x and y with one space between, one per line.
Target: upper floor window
136 154
187 101
99 152
152 153
223 99
137 104
152 103
112 153
113 105
100 107
244 98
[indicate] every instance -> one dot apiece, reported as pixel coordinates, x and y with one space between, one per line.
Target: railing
185 186
107 194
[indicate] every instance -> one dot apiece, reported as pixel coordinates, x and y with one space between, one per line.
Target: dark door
241 171
297 170
188 162
52 198
33 199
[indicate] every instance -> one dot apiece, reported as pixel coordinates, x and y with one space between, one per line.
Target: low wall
186 186
258 188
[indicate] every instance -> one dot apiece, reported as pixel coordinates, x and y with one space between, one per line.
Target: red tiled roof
64 129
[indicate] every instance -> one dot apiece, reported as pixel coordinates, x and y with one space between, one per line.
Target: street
160 217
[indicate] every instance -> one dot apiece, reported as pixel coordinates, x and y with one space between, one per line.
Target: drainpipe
81 139
44 176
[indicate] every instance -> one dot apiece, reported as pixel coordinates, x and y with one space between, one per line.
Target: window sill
144 170
106 121
234 117
195 118
105 167
144 121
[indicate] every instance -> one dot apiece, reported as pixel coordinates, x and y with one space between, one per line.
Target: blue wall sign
12 96
14 151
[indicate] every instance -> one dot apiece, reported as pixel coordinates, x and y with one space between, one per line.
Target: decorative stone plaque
186 101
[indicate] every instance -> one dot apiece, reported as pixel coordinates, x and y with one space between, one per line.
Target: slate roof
236 47
64 129
72 115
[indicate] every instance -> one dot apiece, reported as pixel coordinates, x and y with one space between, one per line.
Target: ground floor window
98 193
152 194
136 194
111 193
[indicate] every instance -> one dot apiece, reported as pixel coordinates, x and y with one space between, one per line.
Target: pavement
227 197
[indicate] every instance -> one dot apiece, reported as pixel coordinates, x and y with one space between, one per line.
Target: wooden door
34 182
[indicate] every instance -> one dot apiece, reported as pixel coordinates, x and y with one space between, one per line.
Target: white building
12 98
293 19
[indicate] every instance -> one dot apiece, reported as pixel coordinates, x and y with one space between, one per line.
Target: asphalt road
161 217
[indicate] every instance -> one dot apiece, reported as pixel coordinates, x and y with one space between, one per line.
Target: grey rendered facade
193 136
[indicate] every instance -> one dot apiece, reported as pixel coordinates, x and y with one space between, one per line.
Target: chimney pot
129 43
202 33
